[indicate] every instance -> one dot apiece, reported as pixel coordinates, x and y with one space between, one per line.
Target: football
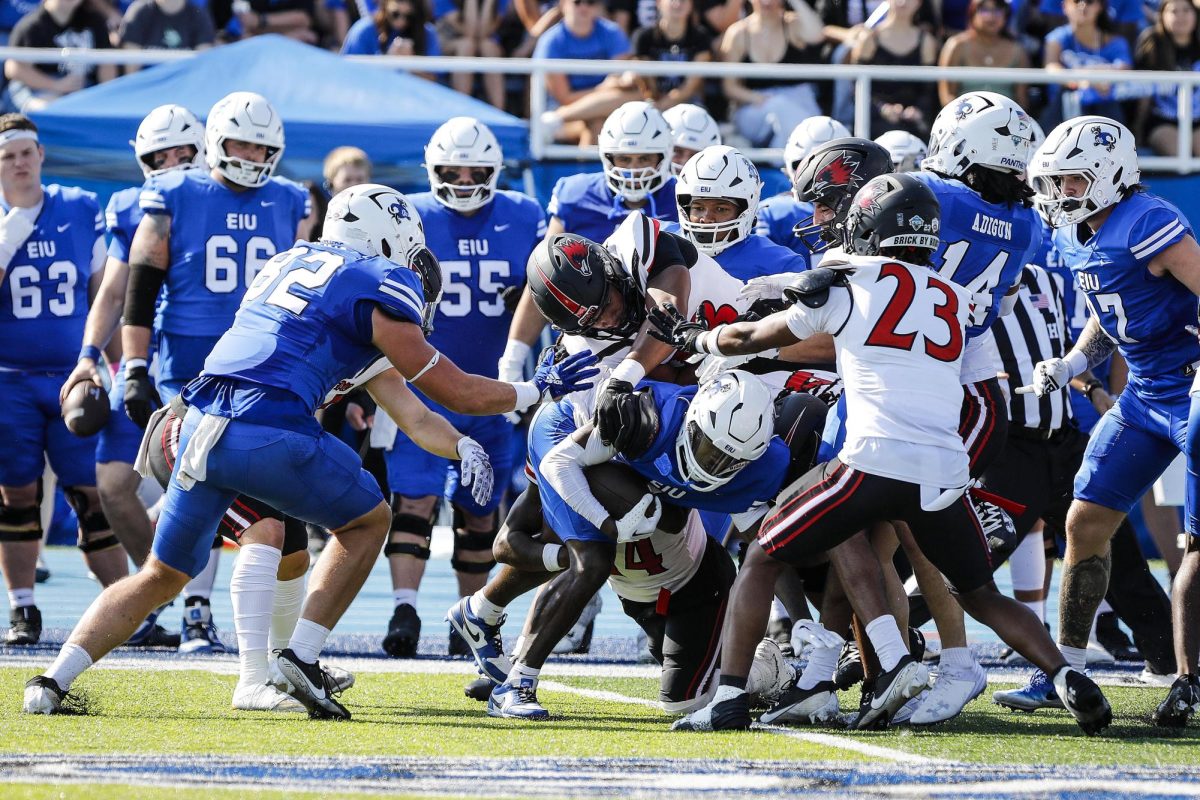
85 411
619 488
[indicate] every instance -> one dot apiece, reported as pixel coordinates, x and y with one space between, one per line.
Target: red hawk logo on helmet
576 253
841 171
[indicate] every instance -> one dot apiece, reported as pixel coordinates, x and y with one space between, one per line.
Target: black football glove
616 412
668 325
141 398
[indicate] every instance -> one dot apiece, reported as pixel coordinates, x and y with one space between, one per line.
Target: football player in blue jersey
316 313
169 138
482 236
692 130
51 263
718 193
1135 257
203 237
779 215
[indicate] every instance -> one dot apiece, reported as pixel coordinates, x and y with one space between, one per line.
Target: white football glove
1048 377
641 520
816 634
15 227
767 287
476 469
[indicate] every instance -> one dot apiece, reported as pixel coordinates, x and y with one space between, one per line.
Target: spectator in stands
676 36
56 23
584 33
1085 42
1173 44
333 20
899 42
295 19
985 43
468 28
767 109
166 25
11 12
1127 16
398 28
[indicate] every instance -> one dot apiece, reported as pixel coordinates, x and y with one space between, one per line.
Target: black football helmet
896 212
573 279
831 175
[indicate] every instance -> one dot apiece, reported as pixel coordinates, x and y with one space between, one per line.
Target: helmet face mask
464 142
164 128
575 283
718 173
729 424
830 176
636 128
1099 150
245 117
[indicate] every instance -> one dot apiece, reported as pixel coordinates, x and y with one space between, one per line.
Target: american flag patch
1040 301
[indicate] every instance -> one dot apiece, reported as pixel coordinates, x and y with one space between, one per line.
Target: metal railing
862 76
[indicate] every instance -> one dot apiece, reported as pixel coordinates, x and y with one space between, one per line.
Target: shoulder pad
812 287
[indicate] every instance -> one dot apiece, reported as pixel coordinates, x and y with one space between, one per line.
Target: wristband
527 395
550 557
516 351
132 364
1077 362
90 351
629 370
707 343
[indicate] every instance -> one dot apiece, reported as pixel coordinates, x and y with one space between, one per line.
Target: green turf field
178 712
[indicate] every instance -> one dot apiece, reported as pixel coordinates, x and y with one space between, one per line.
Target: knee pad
94 531
474 542
20 524
410 524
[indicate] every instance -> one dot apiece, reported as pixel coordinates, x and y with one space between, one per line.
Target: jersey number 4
640 555
884 334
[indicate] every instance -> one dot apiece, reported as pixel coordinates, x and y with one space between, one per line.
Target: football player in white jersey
900 331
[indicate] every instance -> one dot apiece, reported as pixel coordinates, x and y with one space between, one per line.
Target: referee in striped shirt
1045 448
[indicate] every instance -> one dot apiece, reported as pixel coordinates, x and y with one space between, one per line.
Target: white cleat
770 673
265 697
579 638
949 695
42 696
339 679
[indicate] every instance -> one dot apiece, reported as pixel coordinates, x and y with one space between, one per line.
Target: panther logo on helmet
964 109
575 252
842 171
399 211
1104 138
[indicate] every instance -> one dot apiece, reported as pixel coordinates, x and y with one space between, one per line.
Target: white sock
1038 607
308 639
1027 564
289 599
20 598
726 692
956 660
404 597
202 584
885 638
71 662
485 609
519 671
822 665
1075 656
252 589
778 610
550 557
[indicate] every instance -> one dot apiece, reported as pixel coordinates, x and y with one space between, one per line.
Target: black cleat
813 706
891 690
1083 698
1182 701
26 626
458 646
404 632
1113 639
849 668
308 683
730 714
44 696
156 636
479 689
916 644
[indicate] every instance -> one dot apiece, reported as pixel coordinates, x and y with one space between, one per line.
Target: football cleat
479 689
151 634
891 690
265 697
770 673
41 573
516 701
1150 677
1182 701
457 647
26 626
950 694
849 668
1039 693
404 632
1083 698
339 679
199 632
482 640
814 706
43 696
579 638
308 683
728 711
904 715
1110 636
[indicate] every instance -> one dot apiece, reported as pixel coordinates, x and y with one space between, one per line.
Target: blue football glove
572 374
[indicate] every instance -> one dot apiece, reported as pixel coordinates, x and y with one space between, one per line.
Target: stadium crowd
1056 35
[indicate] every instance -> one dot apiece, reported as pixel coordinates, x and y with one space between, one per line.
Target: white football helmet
165 127
729 423
636 127
693 129
1100 149
979 128
722 172
907 151
808 136
463 142
377 220
244 117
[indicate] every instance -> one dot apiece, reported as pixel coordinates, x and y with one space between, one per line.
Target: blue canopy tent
325 102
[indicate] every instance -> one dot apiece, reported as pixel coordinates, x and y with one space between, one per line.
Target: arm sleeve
563 467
